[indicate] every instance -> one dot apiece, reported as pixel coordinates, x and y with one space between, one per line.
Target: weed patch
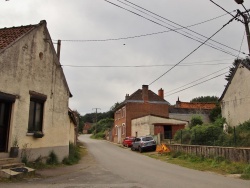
216 164
74 155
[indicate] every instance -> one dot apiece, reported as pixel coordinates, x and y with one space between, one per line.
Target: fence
230 153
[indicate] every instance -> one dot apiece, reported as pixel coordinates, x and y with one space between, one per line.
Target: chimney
127 96
161 93
145 93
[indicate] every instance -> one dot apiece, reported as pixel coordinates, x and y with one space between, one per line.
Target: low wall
230 153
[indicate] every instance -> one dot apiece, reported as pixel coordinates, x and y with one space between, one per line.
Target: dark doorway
5 110
167 132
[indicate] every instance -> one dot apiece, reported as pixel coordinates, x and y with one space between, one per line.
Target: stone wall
230 153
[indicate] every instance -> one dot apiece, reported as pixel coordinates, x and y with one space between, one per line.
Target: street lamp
239 1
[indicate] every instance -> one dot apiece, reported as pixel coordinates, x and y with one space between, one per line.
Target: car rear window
131 138
147 139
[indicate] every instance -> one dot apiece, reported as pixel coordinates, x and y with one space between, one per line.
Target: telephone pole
246 20
96 109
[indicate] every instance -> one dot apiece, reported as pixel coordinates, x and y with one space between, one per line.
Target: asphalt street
109 166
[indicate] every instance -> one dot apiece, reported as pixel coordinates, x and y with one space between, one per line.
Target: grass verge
215 164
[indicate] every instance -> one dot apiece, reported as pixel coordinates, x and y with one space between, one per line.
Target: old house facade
235 98
34 93
154 125
141 103
186 110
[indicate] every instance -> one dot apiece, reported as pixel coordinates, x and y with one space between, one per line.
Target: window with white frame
123 129
116 130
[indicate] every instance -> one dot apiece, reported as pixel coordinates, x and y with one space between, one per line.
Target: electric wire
198 83
224 10
181 25
229 53
142 66
246 10
241 43
192 51
138 36
170 91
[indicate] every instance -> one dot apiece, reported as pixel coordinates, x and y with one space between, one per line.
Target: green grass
216 164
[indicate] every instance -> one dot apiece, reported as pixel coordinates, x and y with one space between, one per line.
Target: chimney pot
145 93
161 93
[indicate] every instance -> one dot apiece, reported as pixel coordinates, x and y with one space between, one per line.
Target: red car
128 141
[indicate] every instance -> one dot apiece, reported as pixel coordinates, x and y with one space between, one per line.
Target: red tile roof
195 105
9 35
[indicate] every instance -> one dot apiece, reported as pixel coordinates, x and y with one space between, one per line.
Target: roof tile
9 35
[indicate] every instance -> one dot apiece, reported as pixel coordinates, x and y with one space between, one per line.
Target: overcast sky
120 67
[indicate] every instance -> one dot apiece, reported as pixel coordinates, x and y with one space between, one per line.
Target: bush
196 120
185 134
100 135
215 113
52 159
246 173
74 155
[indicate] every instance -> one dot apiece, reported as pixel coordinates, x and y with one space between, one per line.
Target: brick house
142 102
86 127
186 110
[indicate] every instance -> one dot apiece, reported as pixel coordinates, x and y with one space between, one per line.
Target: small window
36 112
116 130
123 129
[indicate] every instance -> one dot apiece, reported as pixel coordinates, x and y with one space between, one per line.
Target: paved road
110 166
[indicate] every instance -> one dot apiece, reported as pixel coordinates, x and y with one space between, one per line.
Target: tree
215 113
235 63
205 99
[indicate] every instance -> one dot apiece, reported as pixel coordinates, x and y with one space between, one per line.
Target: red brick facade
141 103
159 128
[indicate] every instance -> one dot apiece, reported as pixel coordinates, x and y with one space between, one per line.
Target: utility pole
246 19
96 109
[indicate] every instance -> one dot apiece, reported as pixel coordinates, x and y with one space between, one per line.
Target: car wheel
140 149
132 148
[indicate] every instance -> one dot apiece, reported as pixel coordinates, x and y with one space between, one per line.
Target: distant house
154 125
141 104
34 94
186 110
86 128
235 99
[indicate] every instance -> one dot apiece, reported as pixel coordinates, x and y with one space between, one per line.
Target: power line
193 51
138 36
181 25
198 79
169 28
160 65
197 83
224 10
241 43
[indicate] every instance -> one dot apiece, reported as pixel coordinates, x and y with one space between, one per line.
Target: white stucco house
235 100
153 125
34 93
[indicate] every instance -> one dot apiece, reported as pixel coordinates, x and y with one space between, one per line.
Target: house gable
32 82
235 98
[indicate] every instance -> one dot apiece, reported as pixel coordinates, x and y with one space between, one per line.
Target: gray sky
101 87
